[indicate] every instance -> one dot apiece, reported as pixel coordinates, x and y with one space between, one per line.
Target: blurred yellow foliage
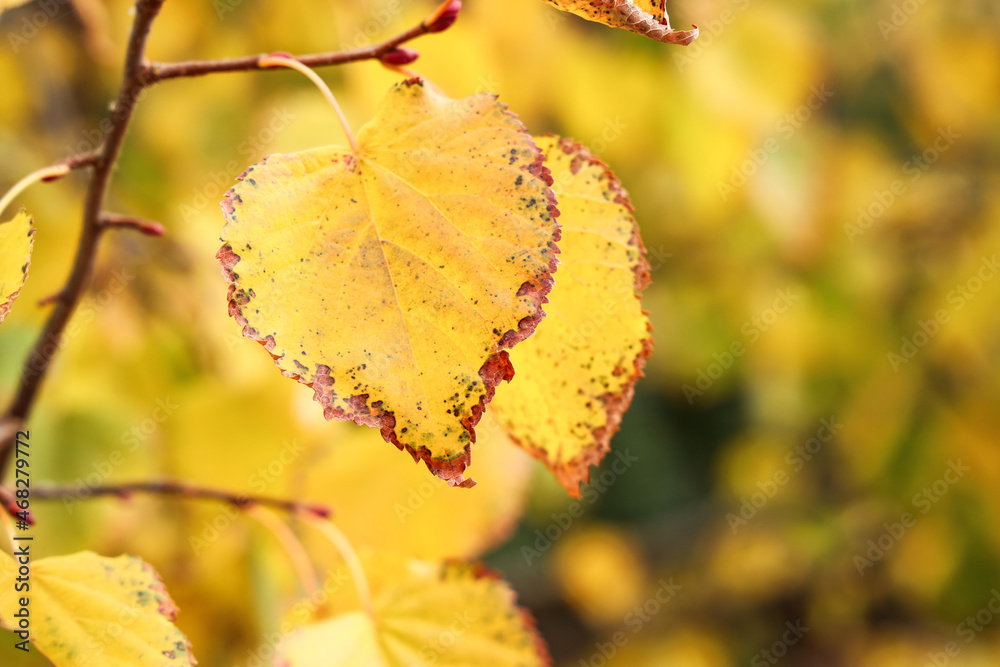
845 154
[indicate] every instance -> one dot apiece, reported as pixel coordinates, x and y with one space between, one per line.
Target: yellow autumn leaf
575 376
643 17
16 238
86 610
425 613
391 280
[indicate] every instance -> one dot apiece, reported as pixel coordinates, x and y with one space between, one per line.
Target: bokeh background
816 439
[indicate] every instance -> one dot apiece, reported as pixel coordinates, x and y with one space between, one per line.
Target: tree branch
50 340
180 489
440 19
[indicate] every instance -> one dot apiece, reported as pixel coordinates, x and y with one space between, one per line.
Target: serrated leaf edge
576 471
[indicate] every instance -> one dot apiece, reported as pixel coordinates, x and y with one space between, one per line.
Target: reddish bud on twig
444 16
9 502
153 229
320 511
399 56
147 227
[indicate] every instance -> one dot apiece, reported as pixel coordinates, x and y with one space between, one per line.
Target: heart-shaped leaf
390 280
575 376
425 613
86 610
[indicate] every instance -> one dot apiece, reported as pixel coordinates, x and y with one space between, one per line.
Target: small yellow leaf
575 376
643 17
391 280
16 239
448 615
86 610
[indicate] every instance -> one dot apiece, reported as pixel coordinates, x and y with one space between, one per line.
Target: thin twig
182 490
116 221
82 160
50 299
156 72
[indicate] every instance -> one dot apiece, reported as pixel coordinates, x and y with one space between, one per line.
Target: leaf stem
45 173
350 557
278 60
292 545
